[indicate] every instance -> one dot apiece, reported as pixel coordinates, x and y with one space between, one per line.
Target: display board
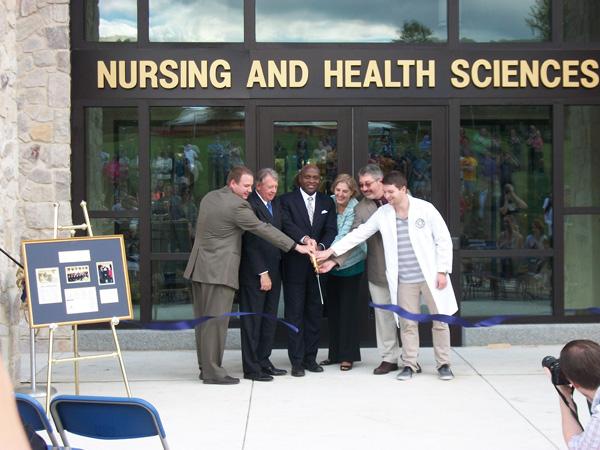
77 280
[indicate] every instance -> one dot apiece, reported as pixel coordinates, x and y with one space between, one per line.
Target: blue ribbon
451 320
193 323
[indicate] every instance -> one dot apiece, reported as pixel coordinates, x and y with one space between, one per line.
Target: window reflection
505 164
171 293
192 150
581 20
350 21
111 20
301 143
582 159
582 271
404 146
196 20
522 20
492 286
112 159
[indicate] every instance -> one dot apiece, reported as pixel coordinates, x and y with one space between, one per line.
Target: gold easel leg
120 356
49 376
76 355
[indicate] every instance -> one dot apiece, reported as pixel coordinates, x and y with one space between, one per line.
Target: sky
315 20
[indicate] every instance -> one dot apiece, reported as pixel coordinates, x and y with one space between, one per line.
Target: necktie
311 209
270 208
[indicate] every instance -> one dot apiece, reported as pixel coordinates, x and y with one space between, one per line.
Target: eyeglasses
367 184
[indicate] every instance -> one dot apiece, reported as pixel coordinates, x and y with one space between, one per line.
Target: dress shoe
385 367
297 371
225 380
258 377
313 367
274 371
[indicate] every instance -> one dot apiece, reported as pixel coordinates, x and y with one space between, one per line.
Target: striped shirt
409 270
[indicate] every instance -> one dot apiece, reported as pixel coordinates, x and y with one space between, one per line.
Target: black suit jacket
259 255
297 225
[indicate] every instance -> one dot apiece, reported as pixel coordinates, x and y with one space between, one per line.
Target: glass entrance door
412 140
344 139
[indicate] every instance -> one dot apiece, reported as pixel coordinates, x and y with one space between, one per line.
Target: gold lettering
509 69
422 73
220 74
133 74
352 69
329 73
587 68
496 73
277 72
406 64
461 78
372 75
387 73
256 75
529 73
544 73
296 64
104 73
484 64
148 71
198 74
165 70
570 70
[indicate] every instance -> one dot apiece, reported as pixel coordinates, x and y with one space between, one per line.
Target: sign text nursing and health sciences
350 74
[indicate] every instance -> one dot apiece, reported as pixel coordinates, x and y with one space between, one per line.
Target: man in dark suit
223 216
260 282
309 217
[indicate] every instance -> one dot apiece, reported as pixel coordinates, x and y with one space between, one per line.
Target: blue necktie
270 208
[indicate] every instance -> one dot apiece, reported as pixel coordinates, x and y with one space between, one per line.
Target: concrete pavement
500 399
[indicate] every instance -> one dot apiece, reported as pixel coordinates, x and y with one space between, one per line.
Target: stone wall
9 163
35 151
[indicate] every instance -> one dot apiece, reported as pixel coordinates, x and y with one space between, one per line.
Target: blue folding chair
33 415
106 418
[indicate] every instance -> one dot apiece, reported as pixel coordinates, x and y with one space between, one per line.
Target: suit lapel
302 207
264 213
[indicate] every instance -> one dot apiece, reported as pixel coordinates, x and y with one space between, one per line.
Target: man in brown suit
370 182
223 217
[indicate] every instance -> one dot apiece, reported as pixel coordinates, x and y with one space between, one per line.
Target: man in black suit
309 217
260 282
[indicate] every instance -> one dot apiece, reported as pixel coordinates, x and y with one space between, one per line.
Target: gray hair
371 169
266 172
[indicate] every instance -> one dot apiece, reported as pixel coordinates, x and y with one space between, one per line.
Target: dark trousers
303 308
258 332
212 300
343 306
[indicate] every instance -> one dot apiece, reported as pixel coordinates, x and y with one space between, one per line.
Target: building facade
492 110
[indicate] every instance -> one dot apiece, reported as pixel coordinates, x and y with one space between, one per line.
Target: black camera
553 365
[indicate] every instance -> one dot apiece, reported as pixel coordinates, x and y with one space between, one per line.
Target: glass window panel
111 139
171 293
493 286
507 21
300 143
351 21
129 229
506 174
581 21
111 20
582 271
404 146
582 159
196 20
192 150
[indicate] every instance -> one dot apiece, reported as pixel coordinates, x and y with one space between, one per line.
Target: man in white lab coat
418 258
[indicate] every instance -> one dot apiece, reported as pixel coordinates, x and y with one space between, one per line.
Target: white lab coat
430 240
